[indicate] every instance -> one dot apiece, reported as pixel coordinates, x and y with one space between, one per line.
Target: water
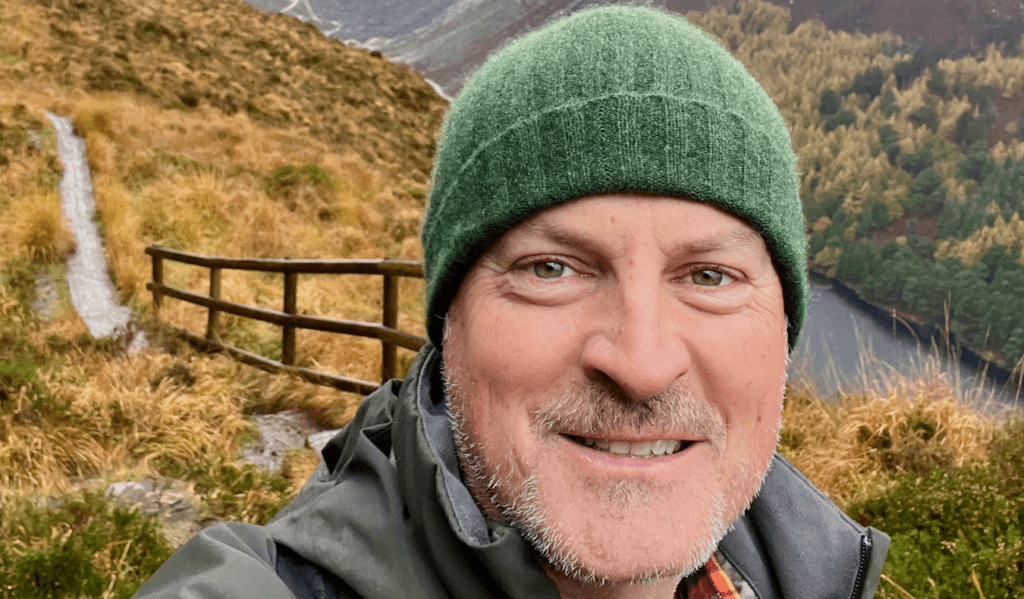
841 345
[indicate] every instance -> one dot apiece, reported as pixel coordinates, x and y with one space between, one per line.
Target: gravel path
92 292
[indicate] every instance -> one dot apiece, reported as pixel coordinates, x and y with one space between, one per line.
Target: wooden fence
288 319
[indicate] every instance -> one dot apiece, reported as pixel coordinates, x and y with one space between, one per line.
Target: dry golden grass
210 184
38 228
298 465
99 414
270 393
850 448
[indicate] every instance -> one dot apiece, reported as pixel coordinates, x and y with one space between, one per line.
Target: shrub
245 493
927 193
890 143
952 526
906 72
300 185
869 82
937 83
916 163
17 292
962 128
888 105
14 377
976 166
84 547
42 235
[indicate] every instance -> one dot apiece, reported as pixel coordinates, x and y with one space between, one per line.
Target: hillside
447 40
215 129
226 55
910 147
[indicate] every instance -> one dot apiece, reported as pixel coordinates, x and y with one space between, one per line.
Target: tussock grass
930 459
41 234
100 413
854 447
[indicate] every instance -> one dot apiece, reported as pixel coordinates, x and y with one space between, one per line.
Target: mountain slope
232 57
453 39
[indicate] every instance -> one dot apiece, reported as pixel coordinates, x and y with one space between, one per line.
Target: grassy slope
218 130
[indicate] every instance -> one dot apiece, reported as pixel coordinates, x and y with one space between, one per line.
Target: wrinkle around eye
731 294
521 280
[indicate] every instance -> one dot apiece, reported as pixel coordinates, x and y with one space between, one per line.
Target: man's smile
633 449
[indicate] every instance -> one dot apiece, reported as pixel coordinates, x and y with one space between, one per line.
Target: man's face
615 369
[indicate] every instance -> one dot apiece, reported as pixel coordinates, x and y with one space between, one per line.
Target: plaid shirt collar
709 582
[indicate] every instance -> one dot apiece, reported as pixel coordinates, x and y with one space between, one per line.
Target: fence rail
288 319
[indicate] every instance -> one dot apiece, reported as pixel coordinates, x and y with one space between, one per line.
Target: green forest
911 166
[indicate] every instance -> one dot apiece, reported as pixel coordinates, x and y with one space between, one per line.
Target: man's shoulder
226 560
794 537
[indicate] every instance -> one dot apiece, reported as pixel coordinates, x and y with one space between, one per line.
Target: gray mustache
593 409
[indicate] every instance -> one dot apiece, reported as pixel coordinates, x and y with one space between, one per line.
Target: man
616 272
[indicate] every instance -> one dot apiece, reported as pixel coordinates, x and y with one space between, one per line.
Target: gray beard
525 511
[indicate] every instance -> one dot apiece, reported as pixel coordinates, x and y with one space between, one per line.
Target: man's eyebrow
739 236
744 236
558 234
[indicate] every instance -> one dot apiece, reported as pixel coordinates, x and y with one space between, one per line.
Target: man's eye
549 269
709 277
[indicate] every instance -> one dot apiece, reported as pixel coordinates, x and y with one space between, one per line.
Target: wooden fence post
291 284
389 357
158 278
213 315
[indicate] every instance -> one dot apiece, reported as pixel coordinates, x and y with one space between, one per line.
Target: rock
127 492
168 500
279 432
46 302
317 441
171 499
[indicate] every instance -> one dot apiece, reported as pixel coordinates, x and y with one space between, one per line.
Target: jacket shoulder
224 561
794 542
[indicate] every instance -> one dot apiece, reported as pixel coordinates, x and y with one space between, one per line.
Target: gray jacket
386 515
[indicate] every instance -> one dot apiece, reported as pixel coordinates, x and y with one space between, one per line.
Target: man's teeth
640 449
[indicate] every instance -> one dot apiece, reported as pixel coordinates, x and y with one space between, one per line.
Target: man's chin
623 538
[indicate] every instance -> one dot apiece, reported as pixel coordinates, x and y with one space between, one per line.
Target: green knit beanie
609 100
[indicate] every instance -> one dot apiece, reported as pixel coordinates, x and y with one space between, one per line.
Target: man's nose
637 344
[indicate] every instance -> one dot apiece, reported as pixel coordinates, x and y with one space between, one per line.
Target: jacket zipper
865 552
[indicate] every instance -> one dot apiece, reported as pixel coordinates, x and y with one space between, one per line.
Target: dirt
927 227
1008 110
